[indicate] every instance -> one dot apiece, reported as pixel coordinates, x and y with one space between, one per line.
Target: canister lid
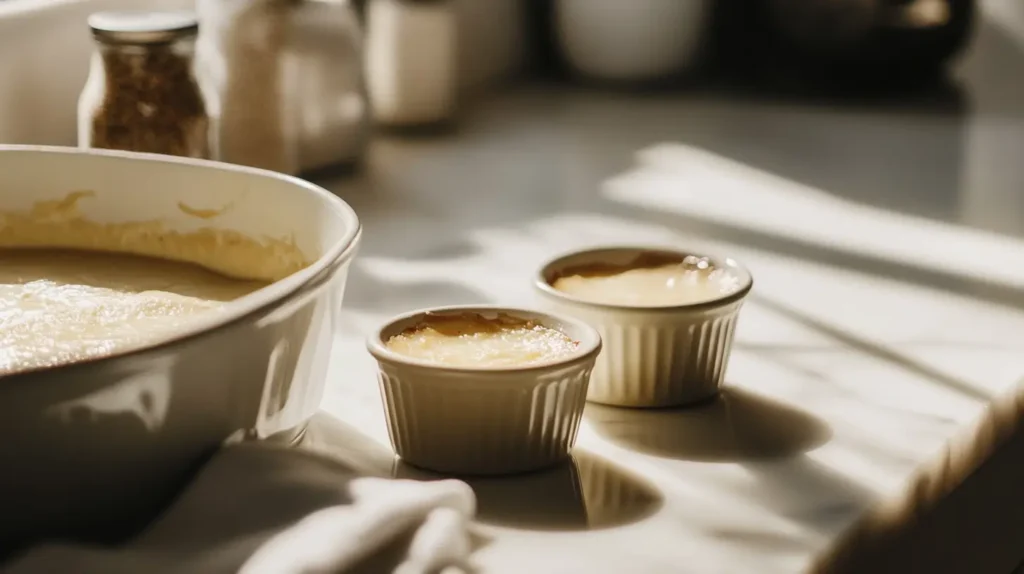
143 27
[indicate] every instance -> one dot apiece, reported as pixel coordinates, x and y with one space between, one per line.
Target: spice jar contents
142 94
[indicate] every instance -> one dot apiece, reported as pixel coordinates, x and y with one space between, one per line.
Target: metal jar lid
143 27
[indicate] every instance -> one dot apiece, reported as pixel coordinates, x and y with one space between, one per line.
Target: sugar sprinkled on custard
58 307
472 340
649 281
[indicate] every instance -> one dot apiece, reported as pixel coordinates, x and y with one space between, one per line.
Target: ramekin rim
544 287
588 350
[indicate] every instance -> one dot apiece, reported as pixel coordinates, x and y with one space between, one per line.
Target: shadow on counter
766 438
332 437
937 537
585 493
737 425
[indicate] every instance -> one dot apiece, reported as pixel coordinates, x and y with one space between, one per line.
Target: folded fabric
262 509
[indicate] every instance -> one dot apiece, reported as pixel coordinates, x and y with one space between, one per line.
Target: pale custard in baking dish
61 306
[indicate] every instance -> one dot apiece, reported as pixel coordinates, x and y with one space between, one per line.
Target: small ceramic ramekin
484 421
653 356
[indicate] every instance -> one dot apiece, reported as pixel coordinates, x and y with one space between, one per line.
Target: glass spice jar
142 93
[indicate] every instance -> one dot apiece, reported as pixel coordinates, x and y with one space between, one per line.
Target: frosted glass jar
289 76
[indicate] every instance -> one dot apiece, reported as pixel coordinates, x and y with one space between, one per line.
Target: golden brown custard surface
472 340
60 306
649 281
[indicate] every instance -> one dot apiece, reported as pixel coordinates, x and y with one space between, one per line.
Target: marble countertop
877 362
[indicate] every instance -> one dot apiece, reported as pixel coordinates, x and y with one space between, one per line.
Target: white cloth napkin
261 509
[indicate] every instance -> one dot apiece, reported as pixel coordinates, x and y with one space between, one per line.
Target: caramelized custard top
472 340
650 280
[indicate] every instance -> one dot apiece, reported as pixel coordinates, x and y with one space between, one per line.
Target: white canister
631 40
289 77
239 54
411 61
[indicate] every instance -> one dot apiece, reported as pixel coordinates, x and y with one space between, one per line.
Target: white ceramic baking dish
95 447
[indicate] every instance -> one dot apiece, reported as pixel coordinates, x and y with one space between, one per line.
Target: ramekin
484 421
653 356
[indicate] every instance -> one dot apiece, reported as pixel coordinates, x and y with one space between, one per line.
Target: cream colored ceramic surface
102 443
486 420
653 356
